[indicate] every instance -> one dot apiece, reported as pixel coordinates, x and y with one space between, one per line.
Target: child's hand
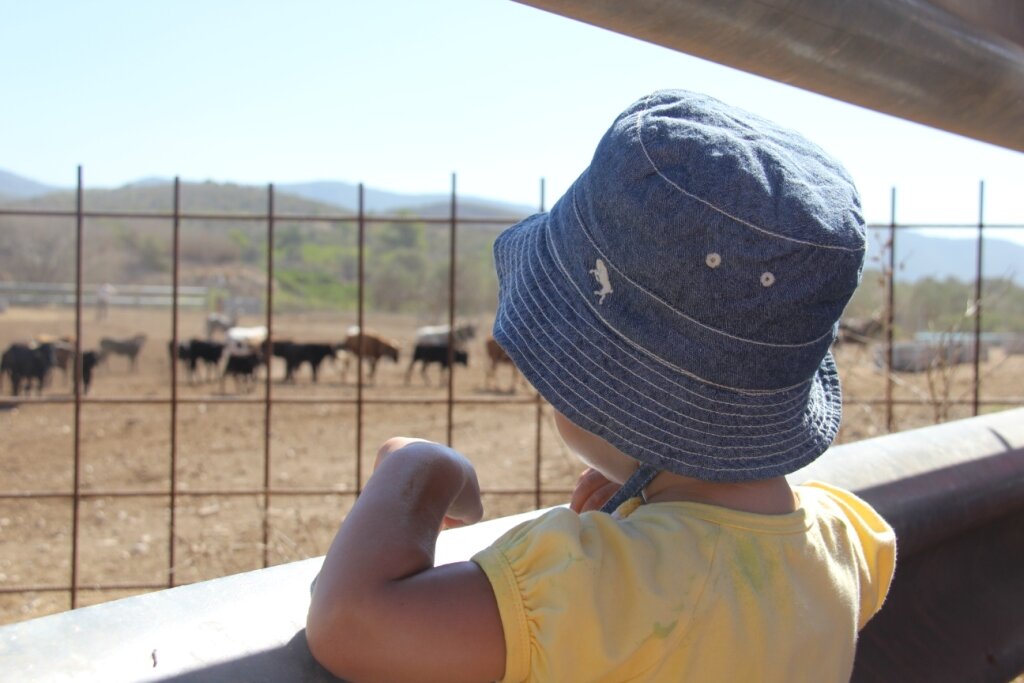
592 491
466 508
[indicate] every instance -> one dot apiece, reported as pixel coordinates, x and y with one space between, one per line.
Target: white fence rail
63 294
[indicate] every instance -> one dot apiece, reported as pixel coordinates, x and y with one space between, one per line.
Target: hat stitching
672 449
600 272
713 207
528 354
800 399
586 232
612 391
533 305
604 397
565 272
825 413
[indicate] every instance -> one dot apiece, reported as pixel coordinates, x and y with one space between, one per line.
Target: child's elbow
333 644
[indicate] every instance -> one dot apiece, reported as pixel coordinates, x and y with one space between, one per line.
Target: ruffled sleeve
876 561
577 601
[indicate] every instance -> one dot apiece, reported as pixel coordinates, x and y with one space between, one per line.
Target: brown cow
369 346
497 356
63 351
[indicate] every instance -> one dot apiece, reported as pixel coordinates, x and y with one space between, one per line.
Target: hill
346 195
16 187
922 256
315 260
918 256
318 198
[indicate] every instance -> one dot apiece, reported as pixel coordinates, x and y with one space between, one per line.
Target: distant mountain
150 181
919 256
16 187
346 196
155 196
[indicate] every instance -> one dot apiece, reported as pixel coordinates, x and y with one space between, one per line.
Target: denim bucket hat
680 299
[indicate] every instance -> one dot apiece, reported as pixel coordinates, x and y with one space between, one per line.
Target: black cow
295 355
209 352
26 363
427 354
182 353
90 359
191 352
242 366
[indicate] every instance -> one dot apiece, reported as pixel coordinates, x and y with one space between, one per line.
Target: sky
401 94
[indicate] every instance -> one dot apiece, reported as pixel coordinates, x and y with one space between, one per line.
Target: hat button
767 279
713 260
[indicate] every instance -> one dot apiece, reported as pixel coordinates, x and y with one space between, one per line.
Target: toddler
676 308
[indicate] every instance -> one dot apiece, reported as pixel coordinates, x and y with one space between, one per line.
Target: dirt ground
125 448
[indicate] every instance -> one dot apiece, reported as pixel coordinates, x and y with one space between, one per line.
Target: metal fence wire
266 491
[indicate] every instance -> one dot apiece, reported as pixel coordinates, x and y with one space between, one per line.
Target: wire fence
267 491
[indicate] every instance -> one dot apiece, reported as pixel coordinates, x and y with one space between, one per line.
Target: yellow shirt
691 592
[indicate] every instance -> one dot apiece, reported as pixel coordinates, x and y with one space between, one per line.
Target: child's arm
380 609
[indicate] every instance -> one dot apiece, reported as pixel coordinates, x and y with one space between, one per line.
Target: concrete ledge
954 493
247 627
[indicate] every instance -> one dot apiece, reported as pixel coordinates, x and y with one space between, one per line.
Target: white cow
437 335
242 340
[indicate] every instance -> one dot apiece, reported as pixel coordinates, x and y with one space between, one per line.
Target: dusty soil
125 448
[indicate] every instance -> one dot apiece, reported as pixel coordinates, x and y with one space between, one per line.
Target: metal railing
267 491
48 293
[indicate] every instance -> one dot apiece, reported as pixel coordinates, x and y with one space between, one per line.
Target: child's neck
767 496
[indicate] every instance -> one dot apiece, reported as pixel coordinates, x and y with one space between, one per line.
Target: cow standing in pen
27 363
124 347
296 354
368 346
497 356
245 351
191 352
432 346
219 322
242 367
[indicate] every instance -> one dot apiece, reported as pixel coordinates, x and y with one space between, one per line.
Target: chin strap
633 487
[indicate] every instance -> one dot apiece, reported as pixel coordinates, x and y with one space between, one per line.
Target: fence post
451 316
977 296
267 401
890 313
176 261
76 493
361 298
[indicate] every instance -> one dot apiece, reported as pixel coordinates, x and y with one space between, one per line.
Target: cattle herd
29 364
232 351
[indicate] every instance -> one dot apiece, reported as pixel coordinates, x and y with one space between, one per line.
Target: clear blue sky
400 94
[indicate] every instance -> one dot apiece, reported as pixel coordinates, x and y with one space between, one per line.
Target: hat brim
643 405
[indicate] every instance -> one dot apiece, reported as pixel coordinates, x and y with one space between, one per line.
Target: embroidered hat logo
600 272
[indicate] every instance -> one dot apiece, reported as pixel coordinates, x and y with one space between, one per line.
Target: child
676 308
